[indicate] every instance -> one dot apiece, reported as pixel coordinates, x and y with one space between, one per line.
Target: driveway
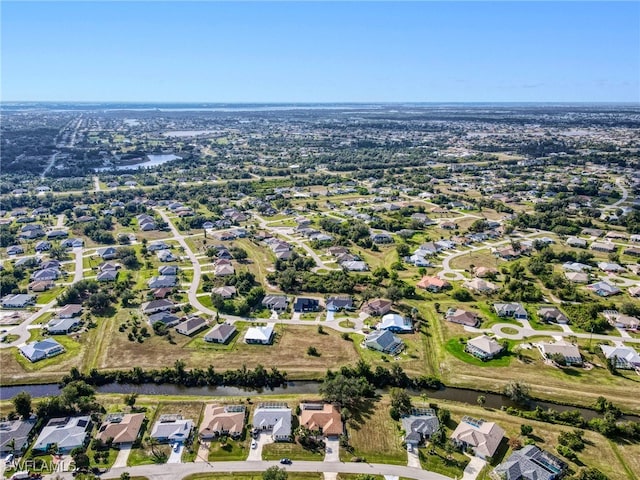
473 468
330 315
255 454
413 460
176 457
203 452
332 449
123 455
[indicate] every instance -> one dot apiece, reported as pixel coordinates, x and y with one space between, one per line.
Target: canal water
464 395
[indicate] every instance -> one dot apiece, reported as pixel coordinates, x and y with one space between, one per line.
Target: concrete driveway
203 452
473 468
255 454
332 449
330 315
176 457
413 460
123 455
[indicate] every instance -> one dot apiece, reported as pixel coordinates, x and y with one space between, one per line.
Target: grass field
231 450
294 451
375 436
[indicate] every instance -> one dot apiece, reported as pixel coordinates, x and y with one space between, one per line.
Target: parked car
176 447
254 444
285 461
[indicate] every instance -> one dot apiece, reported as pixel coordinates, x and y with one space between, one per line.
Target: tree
394 293
400 402
22 404
345 391
481 400
275 473
130 399
526 429
125 476
517 391
80 458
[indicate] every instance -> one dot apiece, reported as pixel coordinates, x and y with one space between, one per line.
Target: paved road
178 471
52 161
22 330
623 198
523 333
96 183
197 270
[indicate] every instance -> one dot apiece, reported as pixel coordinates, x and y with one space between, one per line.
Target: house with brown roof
120 427
378 307
462 317
321 417
433 284
482 437
221 420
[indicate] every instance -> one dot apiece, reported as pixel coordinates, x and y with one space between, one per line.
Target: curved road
22 330
177 471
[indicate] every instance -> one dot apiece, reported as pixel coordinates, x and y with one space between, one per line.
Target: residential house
43 246
604 289
163 281
552 314
274 418
419 425
610 267
166 256
515 310
625 322
278 303
480 286
171 428
482 437
634 291
45 274
168 270
167 318
303 304
262 335
483 347
225 292
395 323
632 251
221 333
69 311
377 307
604 247
433 284
19 300
577 242
384 341
567 352
577 277
222 420
72 243
15 250
157 246
107 253
41 285
462 317
155 306
40 350
120 428
354 266
62 326
107 276
191 326
15 434
65 433
335 304
323 418
381 238
625 357
223 270
532 463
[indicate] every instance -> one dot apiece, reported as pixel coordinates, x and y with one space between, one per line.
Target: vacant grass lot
289 353
294 451
375 436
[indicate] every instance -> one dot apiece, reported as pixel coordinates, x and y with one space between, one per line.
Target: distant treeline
257 378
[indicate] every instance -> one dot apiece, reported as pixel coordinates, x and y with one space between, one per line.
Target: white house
262 335
274 418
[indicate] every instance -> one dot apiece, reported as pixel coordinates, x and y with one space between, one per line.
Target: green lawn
229 451
437 460
455 348
294 451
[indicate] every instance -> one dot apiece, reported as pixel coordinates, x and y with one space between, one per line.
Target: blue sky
321 52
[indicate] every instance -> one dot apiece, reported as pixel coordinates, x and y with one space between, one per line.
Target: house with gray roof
191 325
275 302
384 341
531 463
14 434
67 433
20 300
274 418
419 425
624 357
169 319
42 349
221 333
171 428
483 347
62 326
162 281
515 310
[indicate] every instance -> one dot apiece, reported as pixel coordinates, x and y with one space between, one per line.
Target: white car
254 444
